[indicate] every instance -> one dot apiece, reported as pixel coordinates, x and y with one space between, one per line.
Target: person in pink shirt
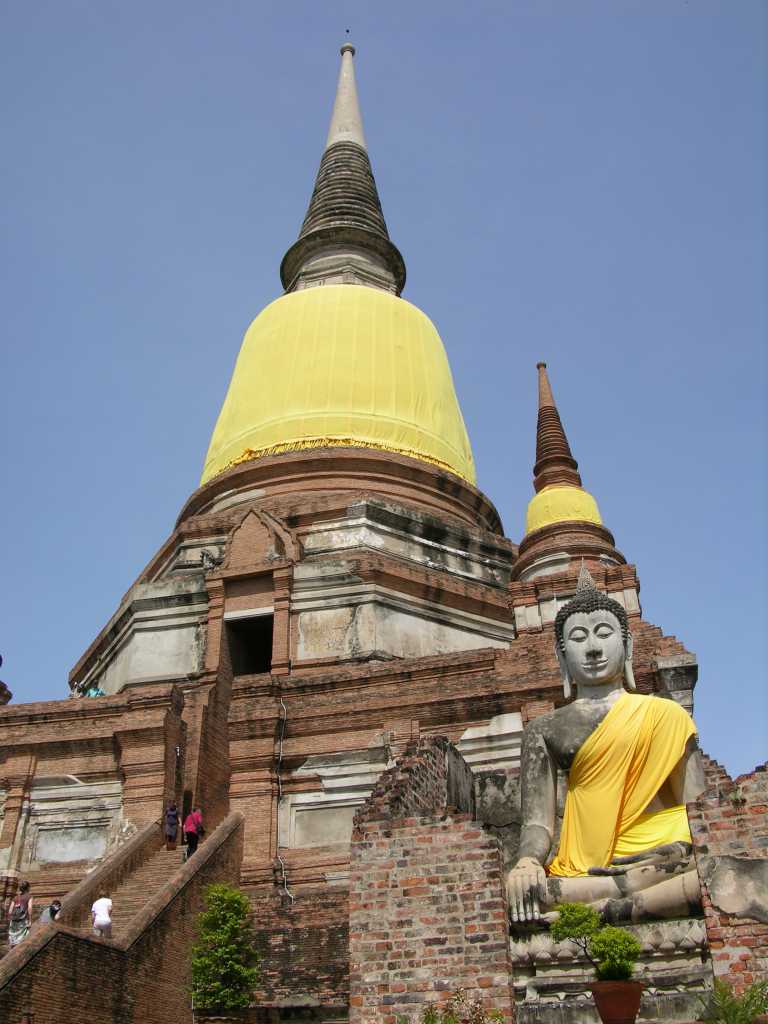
193 829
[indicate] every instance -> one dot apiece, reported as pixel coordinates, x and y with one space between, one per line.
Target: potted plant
613 952
225 969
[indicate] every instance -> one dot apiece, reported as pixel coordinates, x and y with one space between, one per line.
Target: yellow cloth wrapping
338 366
615 774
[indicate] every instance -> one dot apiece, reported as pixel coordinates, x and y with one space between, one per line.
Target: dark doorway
250 644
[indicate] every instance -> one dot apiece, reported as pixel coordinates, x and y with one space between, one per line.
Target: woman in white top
101 915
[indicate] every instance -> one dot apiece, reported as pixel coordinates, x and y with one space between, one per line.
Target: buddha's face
594 648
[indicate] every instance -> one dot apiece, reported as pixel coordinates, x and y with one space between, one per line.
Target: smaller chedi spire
563 520
344 237
554 462
559 495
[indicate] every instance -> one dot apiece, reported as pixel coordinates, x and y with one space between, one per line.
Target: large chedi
340 657
349 364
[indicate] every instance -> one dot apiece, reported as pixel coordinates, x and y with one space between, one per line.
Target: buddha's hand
668 854
526 888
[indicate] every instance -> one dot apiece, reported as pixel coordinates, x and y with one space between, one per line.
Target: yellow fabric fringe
616 773
333 442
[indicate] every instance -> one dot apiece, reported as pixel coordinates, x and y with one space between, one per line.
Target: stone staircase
129 897
156 900
133 894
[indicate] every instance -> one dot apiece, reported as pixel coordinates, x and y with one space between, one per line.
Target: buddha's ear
629 675
564 675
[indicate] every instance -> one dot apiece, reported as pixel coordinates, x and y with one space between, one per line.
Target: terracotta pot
617 1002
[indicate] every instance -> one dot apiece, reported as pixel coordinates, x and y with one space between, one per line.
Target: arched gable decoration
259 538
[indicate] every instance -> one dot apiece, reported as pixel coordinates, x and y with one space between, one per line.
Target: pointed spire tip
346 122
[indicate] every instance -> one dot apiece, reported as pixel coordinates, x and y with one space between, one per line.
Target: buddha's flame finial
585 582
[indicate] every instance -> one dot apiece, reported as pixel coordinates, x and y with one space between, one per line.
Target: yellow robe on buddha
615 774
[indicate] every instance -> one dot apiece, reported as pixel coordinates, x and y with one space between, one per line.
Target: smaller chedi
633 763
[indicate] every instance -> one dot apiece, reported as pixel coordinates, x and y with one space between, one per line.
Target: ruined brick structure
427 910
730 820
335 653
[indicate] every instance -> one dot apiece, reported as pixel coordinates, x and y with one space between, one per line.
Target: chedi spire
559 495
554 462
563 521
344 237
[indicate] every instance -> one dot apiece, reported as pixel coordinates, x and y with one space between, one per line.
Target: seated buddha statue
632 762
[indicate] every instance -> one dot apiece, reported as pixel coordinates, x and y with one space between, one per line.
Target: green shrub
613 952
725 1007
577 921
616 951
224 960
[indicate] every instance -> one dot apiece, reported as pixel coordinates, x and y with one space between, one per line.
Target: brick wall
427 912
58 975
731 819
304 947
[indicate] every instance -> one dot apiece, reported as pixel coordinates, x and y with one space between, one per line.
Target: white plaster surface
337 615
69 820
495 745
350 621
156 633
406 537
324 816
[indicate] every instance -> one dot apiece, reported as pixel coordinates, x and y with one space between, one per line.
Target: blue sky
579 182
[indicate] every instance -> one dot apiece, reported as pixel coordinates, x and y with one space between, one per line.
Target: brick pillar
427 908
147 751
253 792
281 637
215 631
142 763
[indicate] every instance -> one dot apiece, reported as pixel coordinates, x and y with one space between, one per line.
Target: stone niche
70 821
157 633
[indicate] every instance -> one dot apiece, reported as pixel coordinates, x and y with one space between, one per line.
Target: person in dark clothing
171 826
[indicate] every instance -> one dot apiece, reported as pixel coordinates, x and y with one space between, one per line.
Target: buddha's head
592 640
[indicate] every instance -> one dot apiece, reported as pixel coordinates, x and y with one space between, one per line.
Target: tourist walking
101 915
193 829
171 826
19 915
